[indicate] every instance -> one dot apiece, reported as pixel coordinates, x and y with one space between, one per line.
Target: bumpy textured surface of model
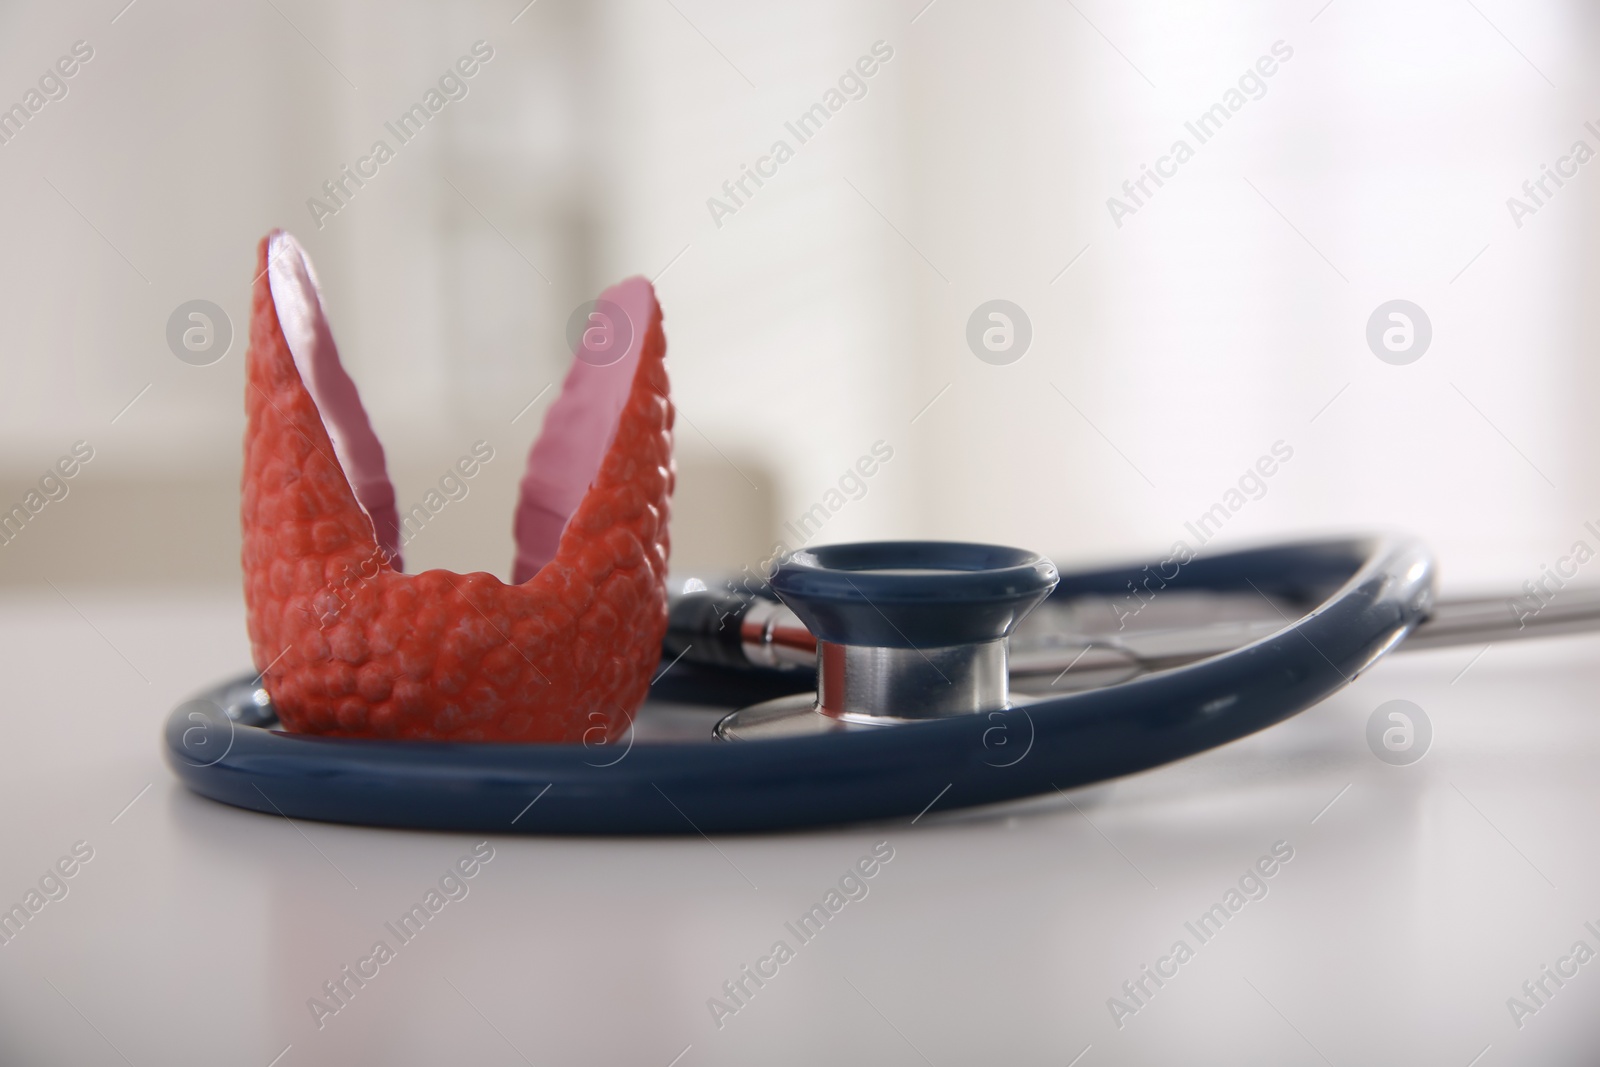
349 645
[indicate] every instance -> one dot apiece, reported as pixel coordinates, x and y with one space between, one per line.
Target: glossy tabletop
1405 909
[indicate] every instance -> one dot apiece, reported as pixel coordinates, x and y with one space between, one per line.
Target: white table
1414 906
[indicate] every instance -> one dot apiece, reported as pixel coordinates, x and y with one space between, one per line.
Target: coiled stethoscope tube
1344 604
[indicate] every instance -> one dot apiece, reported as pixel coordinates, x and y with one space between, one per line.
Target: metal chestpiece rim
863 684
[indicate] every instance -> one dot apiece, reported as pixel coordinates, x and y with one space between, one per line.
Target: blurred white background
829 312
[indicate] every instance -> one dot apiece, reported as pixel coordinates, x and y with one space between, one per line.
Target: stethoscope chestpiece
906 631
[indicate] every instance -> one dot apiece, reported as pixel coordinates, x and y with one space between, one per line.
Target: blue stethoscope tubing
1362 596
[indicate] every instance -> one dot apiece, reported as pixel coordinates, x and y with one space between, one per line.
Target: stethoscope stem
730 630
1487 620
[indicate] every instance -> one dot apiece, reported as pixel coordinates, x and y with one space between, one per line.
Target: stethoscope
885 680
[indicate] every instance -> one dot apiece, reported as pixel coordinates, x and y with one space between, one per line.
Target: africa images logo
452 85
852 85
852 886
452 886
1251 85
1399 332
1399 732
1251 886
999 332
